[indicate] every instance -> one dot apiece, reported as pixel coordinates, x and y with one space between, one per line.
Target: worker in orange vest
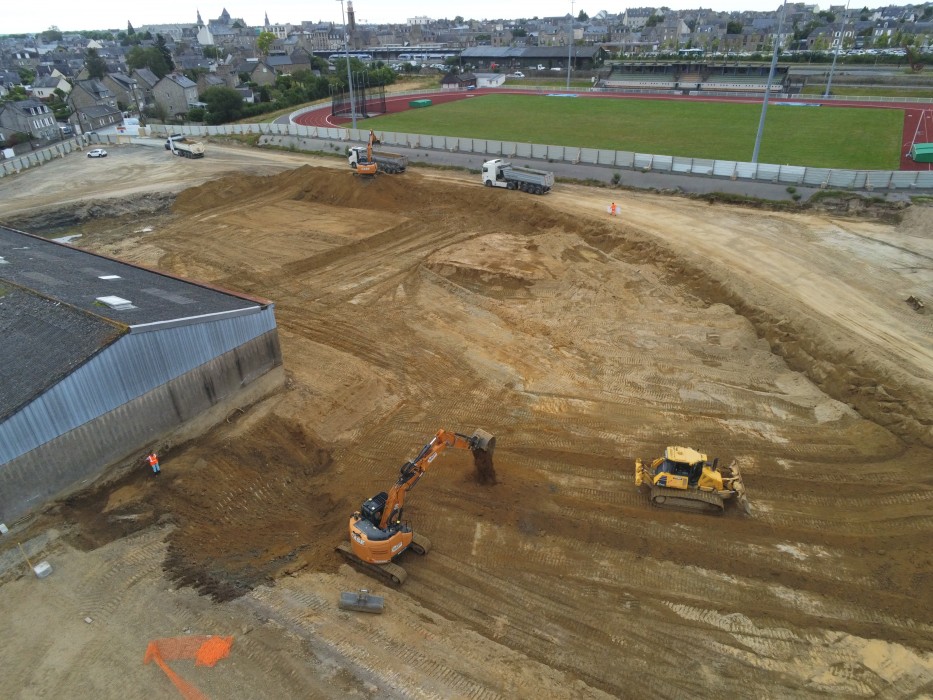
153 460
612 209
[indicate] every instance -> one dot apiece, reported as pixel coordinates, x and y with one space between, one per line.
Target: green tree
734 28
96 66
26 75
196 114
166 54
264 42
211 52
654 20
51 34
582 17
150 57
223 105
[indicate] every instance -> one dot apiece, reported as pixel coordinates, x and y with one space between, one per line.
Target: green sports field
827 137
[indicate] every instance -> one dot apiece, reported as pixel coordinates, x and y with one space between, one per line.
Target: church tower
200 21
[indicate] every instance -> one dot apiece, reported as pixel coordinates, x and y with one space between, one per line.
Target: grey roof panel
73 276
43 340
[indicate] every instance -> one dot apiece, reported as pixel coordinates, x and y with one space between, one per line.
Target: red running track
918 120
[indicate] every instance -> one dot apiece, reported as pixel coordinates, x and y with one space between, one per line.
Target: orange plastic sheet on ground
206 650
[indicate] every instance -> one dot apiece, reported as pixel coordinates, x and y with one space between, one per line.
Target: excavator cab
378 535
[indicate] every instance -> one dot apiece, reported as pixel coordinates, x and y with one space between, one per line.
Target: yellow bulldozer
684 479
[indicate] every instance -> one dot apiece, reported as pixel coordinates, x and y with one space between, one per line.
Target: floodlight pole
570 46
832 68
764 104
346 52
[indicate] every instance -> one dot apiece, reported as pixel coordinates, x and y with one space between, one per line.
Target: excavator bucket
481 440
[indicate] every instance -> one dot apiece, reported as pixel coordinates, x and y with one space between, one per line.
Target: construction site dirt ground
410 303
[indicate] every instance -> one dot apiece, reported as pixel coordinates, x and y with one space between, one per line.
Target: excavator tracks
420 544
691 499
393 574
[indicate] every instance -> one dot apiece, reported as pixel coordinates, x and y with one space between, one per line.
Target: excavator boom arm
412 471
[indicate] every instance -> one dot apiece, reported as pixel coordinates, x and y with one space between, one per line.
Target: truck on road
391 163
180 145
501 173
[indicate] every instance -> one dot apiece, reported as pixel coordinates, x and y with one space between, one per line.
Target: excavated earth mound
411 303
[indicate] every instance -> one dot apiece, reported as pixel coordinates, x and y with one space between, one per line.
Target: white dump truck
181 145
501 173
391 163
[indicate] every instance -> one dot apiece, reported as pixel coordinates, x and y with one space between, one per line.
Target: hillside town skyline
21 19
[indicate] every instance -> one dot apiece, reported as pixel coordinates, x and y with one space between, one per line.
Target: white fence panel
522 150
554 152
451 143
791 173
664 163
746 171
589 155
642 161
539 151
724 168
439 143
494 148
842 178
703 166
816 177
604 157
903 179
681 165
877 180
479 146
768 171
625 159
924 178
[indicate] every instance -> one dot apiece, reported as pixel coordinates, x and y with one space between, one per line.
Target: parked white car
517 74
97 153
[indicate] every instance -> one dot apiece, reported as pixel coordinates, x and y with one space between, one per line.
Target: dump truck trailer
392 163
501 173
182 146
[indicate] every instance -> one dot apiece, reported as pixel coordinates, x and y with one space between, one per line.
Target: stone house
175 93
27 117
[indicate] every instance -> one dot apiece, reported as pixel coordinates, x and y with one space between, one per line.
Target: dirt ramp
246 509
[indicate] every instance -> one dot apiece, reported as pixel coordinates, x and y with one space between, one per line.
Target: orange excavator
365 166
378 534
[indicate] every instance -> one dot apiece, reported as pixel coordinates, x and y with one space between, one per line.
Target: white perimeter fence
623 160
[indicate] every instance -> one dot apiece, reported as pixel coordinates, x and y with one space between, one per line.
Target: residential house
127 90
95 117
174 93
146 81
210 80
258 72
27 117
44 88
93 92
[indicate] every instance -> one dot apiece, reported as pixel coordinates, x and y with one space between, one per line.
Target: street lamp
832 68
346 52
764 104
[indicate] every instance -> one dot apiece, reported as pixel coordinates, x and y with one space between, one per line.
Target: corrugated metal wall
134 365
183 407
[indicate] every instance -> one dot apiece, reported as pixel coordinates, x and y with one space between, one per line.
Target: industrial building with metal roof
102 360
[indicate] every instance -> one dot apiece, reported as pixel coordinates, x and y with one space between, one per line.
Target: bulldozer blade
482 440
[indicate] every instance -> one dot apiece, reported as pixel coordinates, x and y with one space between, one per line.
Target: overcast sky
20 16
